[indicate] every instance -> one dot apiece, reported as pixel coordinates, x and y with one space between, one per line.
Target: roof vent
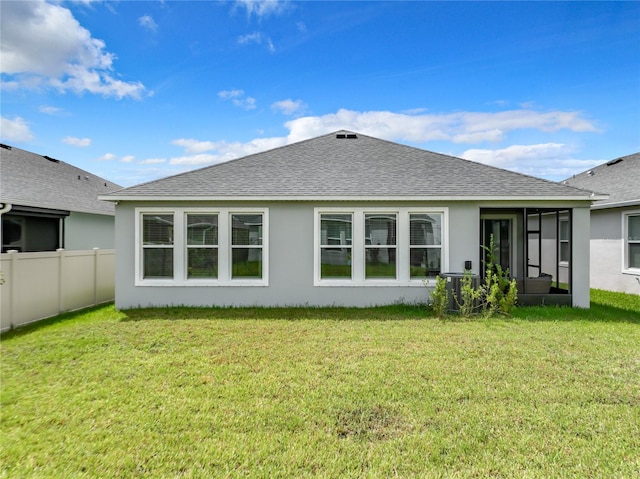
348 136
6 147
50 159
590 173
614 162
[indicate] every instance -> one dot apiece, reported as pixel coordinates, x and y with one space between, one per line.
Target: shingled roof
29 179
619 178
346 165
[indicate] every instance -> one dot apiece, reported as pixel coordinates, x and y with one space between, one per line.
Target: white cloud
50 110
193 160
79 142
112 157
263 8
228 94
15 129
44 45
147 22
258 39
194 146
222 150
152 161
553 161
255 37
238 98
548 160
459 127
289 106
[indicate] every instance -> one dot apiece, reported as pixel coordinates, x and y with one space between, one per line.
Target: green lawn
332 392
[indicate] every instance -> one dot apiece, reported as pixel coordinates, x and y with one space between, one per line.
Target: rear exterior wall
291 260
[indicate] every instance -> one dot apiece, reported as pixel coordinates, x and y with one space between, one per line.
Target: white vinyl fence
35 286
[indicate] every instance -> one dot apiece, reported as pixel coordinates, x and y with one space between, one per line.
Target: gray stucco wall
607 252
291 261
86 231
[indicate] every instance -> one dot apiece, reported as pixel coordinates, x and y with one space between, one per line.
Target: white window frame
358 278
180 247
626 269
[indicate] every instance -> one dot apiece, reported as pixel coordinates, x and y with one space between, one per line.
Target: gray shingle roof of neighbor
30 179
619 178
347 165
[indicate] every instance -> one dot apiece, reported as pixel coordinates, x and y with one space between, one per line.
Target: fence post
95 275
61 255
12 284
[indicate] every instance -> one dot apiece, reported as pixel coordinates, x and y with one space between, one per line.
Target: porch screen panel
157 246
336 246
246 245
202 246
380 246
425 245
564 241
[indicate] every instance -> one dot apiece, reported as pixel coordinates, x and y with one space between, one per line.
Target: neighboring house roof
619 178
345 165
29 179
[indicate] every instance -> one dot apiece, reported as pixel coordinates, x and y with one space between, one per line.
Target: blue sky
135 91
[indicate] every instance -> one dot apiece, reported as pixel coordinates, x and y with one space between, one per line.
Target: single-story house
341 219
46 204
615 223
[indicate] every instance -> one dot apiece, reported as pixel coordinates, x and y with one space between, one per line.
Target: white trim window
157 245
336 245
376 246
631 237
201 247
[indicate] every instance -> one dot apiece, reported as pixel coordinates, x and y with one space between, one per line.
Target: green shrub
440 298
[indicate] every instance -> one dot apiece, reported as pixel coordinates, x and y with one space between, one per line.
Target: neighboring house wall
86 231
291 251
608 269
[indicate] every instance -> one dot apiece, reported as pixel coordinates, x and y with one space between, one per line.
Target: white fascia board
346 198
618 204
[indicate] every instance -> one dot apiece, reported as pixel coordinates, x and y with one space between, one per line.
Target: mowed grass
332 392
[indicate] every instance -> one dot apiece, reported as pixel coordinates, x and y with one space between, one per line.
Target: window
197 246
246 246
632 237
157 245
202 246
380 246
564 241
425 245
336 246
371 246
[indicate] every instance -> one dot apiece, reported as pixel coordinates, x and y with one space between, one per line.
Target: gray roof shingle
619 178
342 168
29 179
